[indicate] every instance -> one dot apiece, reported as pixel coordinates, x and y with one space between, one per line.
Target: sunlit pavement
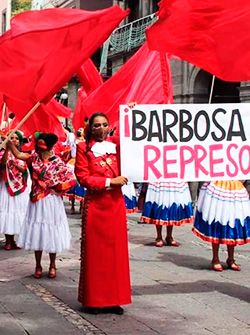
174 291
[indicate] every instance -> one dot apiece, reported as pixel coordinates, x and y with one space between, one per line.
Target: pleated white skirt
45 226
12 210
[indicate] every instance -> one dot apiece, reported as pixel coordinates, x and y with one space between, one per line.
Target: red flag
144 78
89 77
45 48
79 112
41 120
58 109
1 108
213 35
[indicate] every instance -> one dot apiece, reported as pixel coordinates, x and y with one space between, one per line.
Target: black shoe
114 310
92 310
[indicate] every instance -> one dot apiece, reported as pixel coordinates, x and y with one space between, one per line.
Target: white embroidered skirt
12 210
168 203
45 226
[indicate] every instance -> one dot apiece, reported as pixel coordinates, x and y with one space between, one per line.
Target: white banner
188 142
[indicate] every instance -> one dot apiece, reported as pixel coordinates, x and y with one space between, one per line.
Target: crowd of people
33 184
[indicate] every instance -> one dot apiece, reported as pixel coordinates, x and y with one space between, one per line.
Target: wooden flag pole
211 90
30 112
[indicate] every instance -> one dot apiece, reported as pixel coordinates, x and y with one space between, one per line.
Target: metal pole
211 90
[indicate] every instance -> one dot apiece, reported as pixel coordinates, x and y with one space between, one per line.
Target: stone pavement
174 292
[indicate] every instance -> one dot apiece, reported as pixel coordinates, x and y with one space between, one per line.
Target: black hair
90 124
49 138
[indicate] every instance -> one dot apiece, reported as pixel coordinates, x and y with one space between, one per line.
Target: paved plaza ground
174 291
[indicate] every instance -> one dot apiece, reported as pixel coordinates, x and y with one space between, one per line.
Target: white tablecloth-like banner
188 142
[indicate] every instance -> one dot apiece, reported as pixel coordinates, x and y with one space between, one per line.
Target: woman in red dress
104 277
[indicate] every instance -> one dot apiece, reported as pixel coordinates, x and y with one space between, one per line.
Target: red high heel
232 265
159 243
172 243
7 246
38 273
217 267
52 273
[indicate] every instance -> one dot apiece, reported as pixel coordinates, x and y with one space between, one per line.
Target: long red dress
104 275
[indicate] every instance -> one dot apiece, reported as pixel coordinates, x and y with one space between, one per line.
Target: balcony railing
53 3
57 3
126 38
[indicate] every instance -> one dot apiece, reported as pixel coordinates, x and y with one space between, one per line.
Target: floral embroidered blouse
49 176
15 180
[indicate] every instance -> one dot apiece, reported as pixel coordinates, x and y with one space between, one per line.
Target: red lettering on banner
231 160
241 159
149 164
213 162
183 160
167 162
126 123
199 159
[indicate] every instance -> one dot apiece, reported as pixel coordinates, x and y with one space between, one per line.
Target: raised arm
18 154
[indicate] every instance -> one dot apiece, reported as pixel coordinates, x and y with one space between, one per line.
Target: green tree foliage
18 6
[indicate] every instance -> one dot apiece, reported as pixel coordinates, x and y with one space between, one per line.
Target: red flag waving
44 119
144 78
43 49
58 109
213 35
79 112
89 77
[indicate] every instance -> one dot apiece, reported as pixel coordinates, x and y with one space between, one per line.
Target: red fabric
45 48
1 108
44 119
58 109
213 35
89 77
140 79
79 112
1 102
41 120
104 275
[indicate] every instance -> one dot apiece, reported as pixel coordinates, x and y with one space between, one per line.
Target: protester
129 193
167 204
142 191
104 277
77 192
14 192
45 226
223 217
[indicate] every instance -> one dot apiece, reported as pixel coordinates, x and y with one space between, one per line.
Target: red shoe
7 246
216 267
159 243
232 265
14 246
52 273
38 273
172 243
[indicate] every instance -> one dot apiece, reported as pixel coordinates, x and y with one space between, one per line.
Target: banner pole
211 90
30 112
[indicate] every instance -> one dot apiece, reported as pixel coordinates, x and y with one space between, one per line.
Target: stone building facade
191 85
5 15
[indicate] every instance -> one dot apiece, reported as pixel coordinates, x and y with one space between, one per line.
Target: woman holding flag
45 226
14 193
